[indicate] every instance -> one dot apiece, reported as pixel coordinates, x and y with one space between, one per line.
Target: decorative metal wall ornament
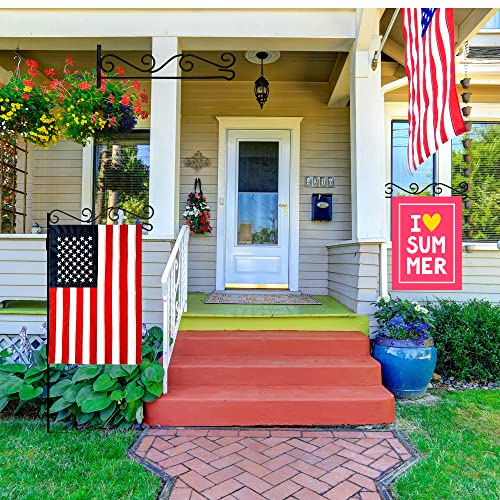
148 68
436 189
261 88
197 162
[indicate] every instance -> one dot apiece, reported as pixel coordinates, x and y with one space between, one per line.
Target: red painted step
272 378
283 343
242 406
274 370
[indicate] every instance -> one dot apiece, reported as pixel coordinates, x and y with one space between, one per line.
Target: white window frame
481 112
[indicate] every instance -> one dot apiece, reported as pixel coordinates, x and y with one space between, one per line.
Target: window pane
122 177
258 167
482 173
401 174
493 23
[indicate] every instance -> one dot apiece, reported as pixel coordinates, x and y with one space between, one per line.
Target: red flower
26 97
54 83
125 100
50 72
84 86
31 72
144 115
111 99
70 61
28 83
137 85
66 71
112 121
137 107
120 70
31 64
144 97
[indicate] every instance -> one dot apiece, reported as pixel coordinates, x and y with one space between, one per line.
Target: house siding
56 181
481 279
354 276
324 150
23 272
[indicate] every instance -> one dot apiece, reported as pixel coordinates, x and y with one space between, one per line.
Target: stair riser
268 347
251 413
275 376
306 323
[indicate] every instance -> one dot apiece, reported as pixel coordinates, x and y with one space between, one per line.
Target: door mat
268 299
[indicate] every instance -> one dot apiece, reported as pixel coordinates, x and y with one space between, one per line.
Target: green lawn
70 464
459 437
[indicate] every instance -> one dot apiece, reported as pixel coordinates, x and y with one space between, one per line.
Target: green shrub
89 394
467 338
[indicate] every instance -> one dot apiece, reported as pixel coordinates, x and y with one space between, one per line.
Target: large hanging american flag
434 114
95 294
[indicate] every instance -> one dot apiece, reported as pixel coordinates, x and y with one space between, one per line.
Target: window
122 175
482 209
493 23
401 174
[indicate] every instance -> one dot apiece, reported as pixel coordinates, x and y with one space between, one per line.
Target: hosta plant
89 394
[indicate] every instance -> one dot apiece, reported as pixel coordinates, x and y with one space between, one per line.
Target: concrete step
270 405
274 370
283 343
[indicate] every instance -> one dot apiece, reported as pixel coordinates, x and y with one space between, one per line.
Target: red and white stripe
102 325
434 113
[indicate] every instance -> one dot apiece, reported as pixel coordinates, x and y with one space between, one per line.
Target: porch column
165 140
367 133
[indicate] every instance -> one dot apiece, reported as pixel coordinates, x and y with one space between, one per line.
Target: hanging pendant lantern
261 88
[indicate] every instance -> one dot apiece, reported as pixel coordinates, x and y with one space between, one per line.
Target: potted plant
404 346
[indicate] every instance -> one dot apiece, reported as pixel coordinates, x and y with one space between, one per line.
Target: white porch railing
174 291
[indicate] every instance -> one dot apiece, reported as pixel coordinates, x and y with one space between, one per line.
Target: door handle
285 206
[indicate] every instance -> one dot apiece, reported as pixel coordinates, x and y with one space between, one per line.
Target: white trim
259 123
87 174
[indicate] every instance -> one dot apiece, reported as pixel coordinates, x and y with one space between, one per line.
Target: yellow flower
10 113
28 89
2 108
7 100
67 124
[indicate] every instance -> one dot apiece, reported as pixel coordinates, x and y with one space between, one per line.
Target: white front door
257 210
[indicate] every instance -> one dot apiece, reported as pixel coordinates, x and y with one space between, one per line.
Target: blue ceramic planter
407 367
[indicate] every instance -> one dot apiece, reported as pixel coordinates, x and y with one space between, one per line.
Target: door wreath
197 213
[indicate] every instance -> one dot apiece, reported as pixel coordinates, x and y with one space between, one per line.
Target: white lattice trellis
15 343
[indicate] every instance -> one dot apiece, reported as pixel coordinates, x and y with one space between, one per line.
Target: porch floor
329 315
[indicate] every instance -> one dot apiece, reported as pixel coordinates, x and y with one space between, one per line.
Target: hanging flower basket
26 111
87 111
197 213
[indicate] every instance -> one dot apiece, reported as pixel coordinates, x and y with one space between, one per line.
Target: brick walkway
250 464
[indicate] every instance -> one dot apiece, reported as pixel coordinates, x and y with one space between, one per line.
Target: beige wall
325 150
23 273
56 181
481 278
354 276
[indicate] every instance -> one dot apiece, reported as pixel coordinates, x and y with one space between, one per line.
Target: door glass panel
258 169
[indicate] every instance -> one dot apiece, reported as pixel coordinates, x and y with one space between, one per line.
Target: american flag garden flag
95 294
434 114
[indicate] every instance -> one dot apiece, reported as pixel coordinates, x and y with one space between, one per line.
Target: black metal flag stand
88 217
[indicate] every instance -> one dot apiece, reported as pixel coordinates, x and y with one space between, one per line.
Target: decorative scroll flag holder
148 67
74 282
436 188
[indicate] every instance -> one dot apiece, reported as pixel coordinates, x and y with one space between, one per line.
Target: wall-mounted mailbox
321 207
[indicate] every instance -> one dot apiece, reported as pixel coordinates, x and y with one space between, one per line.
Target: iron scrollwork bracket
436 188
112 213
148 67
